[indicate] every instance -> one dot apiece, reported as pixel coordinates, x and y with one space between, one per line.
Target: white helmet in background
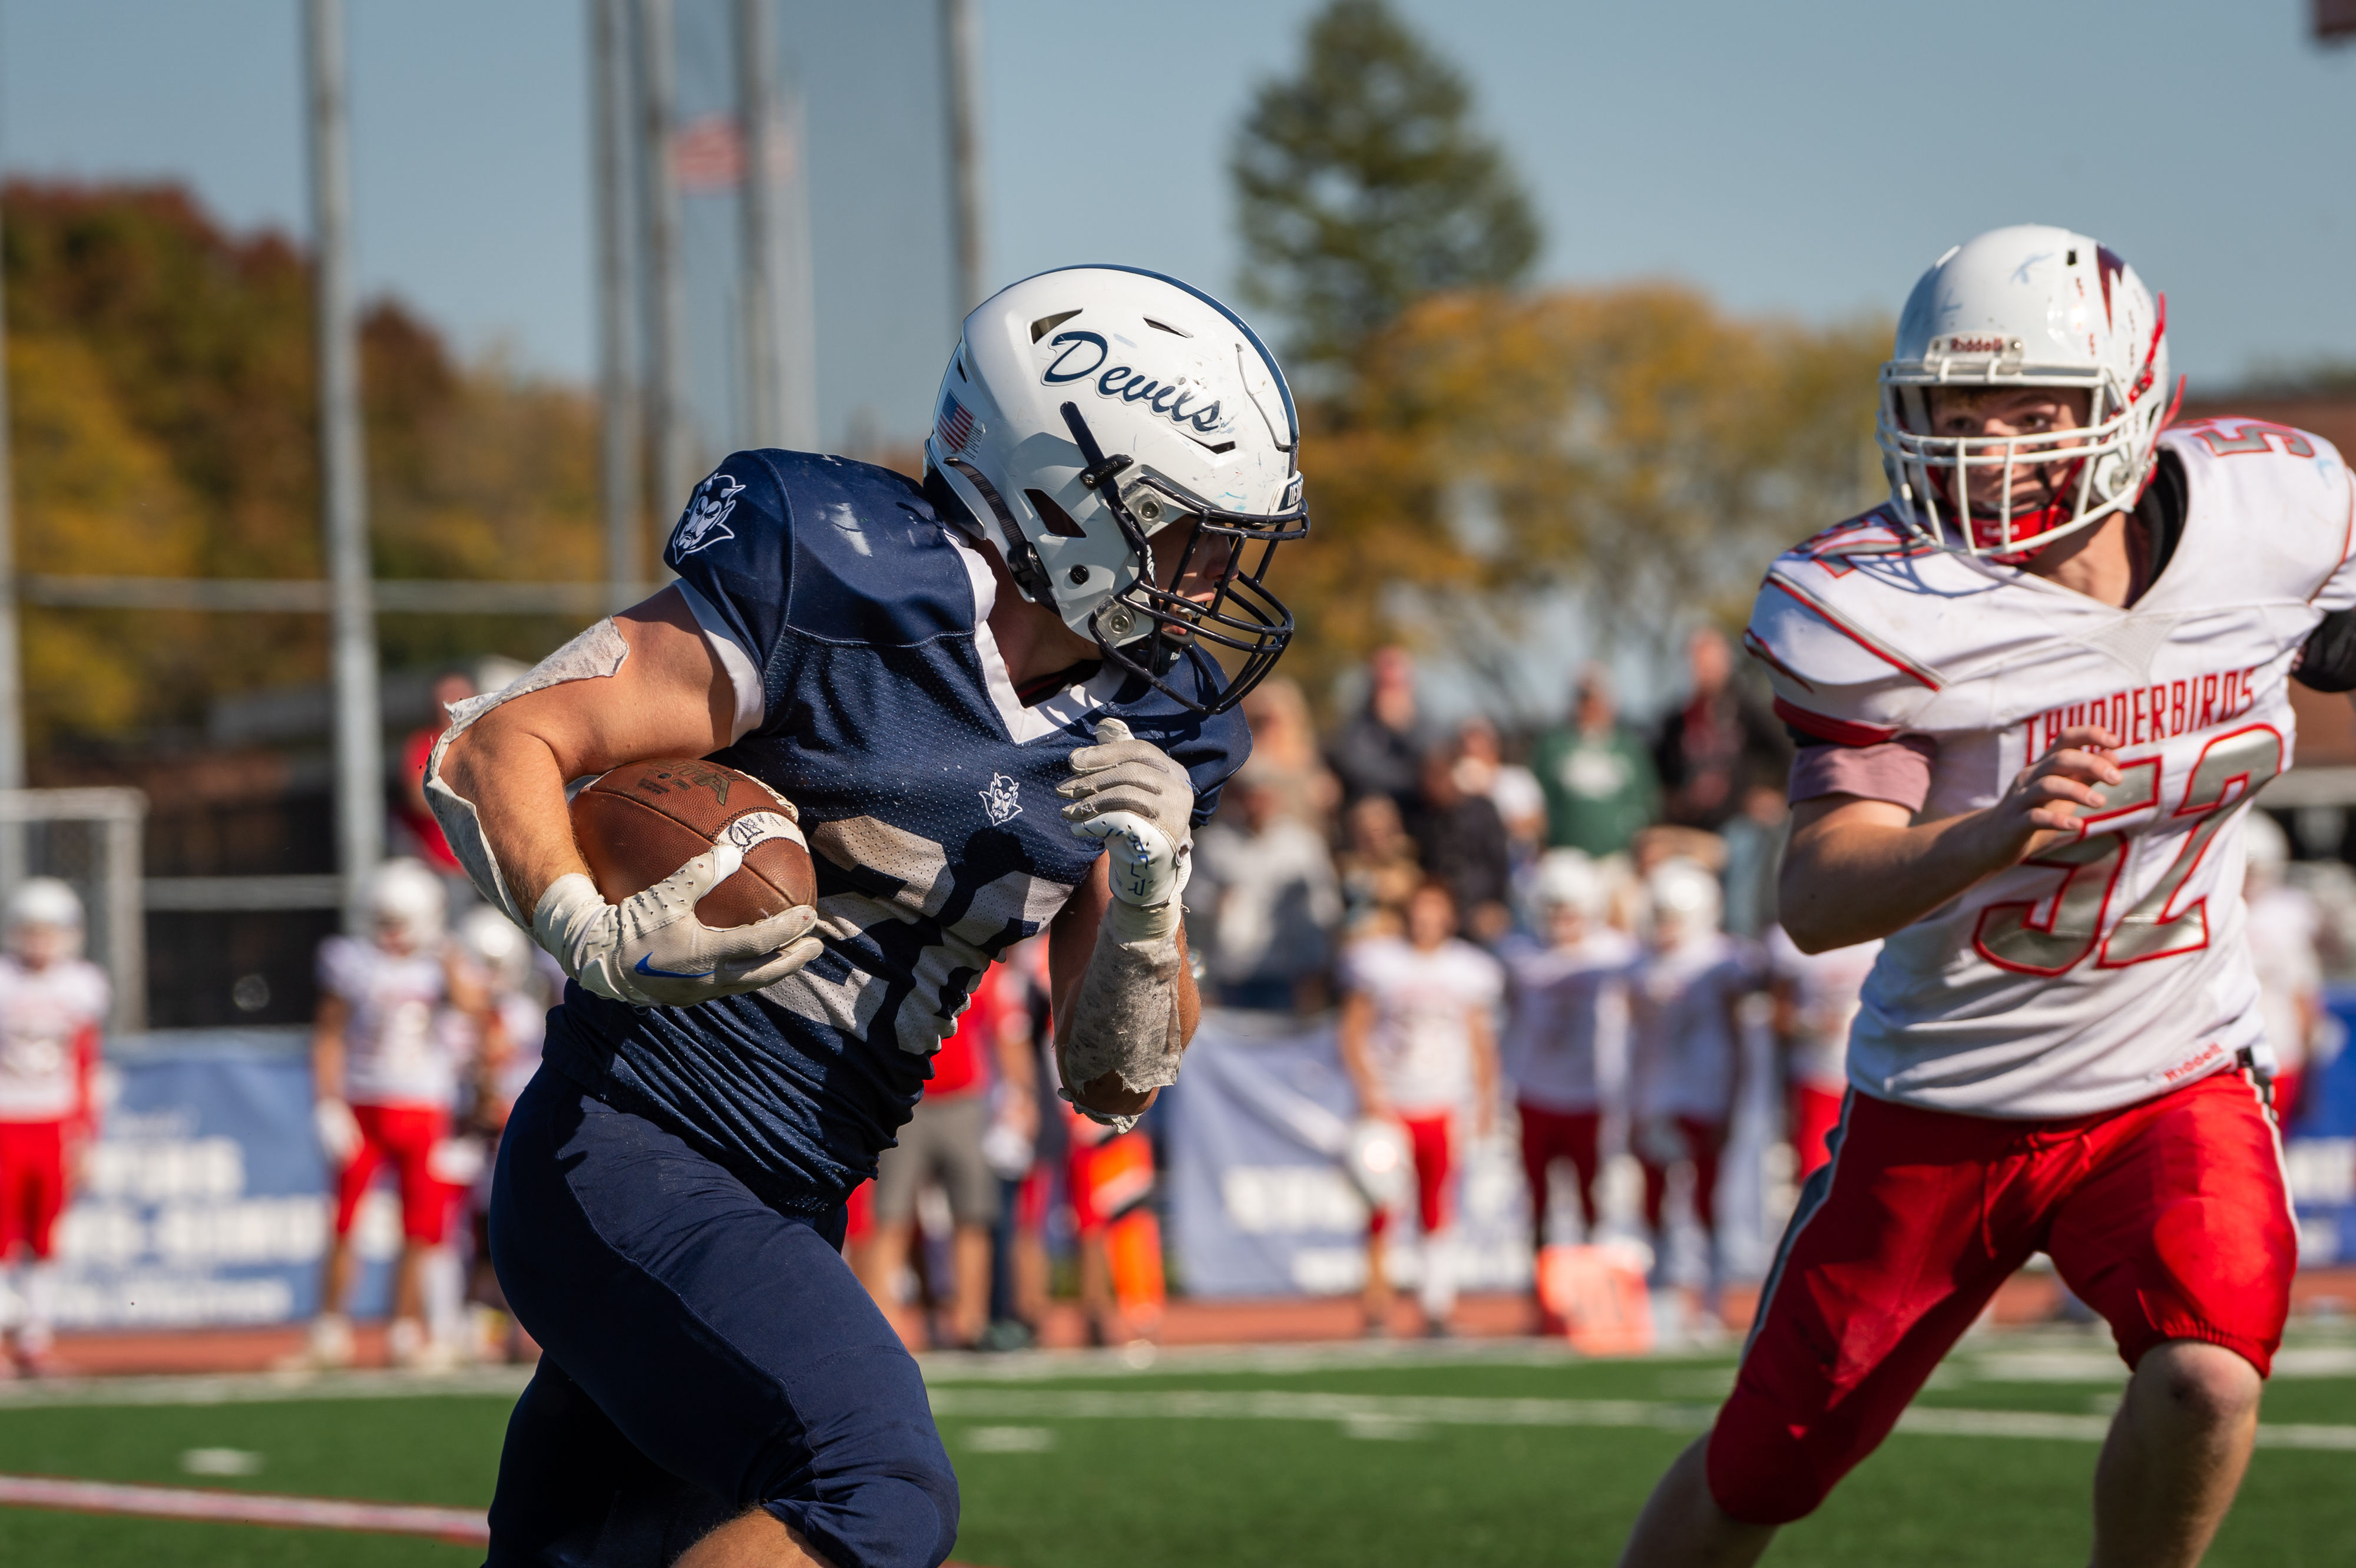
1569 879
2266 849
498 945
408 901
43 904
1089 408
1682 899
2030 306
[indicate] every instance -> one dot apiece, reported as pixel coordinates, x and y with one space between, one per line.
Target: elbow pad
597 652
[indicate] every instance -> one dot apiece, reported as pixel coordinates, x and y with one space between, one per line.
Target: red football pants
1704 1141
1551 1135
1814 1114
1427 1139
404 1137
32 1185
2169 1217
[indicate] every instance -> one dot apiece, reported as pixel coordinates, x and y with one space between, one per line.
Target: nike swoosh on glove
1133 794
650 951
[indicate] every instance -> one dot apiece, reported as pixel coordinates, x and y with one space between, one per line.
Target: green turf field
1493 1455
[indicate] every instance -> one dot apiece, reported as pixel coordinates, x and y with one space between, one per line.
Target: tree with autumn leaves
1473 445
160 375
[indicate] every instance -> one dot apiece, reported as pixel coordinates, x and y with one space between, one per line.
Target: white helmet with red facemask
2030 305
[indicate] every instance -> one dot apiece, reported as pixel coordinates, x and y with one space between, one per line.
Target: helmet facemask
1144 628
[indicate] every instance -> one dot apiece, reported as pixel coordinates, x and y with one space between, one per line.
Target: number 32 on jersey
2079 918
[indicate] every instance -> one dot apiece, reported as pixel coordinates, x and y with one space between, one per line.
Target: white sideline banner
1258 1205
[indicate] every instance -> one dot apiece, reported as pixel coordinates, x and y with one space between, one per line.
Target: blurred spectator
1284 743
1566 1027
410 812
1718 743
1380 750
1599 779
944 1142
1815 1000
1755 858
52 1005
1416 1039
1379 869
2283 925
1684 1001
387 1081
1263 905
1461 841
1481 769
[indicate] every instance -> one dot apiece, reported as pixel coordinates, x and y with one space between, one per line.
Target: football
640 823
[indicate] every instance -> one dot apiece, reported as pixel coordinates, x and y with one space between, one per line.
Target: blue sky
1800 159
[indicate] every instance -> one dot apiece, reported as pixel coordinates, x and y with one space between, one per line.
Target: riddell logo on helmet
1977 345
1083 355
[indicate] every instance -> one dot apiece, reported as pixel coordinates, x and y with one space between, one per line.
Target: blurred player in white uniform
52 1006
518 983
2284 927
1816 997
1566 1036
387 1076
2041 684
1685 998
1416 1036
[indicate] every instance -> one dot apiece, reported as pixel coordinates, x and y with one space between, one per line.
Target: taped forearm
1126 1020
597 652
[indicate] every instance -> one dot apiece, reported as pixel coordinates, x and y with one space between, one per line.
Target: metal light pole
961 63
756 129
621 482
12 679
658 58
360 740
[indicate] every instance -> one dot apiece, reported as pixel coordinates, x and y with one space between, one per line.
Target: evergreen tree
1362 186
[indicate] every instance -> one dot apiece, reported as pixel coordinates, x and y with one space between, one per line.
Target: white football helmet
1089 408
2030 305
44 903
498 945
1569 879
1682 900
407 901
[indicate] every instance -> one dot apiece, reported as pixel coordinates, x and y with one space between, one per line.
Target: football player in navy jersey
994 701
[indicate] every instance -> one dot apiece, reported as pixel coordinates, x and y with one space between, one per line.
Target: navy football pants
705 1355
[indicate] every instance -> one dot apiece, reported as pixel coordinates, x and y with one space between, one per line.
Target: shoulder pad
1824 628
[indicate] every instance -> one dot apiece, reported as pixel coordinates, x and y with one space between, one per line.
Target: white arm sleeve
743 673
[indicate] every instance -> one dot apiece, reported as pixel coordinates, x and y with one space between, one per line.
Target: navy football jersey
872 696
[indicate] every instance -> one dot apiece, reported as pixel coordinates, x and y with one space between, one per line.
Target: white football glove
1131 794
339 1130
650 951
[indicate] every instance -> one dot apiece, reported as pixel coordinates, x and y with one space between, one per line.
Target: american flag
955 426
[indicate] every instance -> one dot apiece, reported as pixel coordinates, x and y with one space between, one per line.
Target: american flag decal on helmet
955 423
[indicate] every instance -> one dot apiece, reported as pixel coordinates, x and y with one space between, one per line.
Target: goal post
90 839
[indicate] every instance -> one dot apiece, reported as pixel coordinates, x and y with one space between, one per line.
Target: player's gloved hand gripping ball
1131 794
650 951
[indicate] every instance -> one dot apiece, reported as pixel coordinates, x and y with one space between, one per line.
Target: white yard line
463 1526
1394 1411
261 1388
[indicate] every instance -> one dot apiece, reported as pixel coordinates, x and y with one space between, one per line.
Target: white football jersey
2111 967
1685 1039
2284 924
1421 1043
46 1014
1824 989
396 1051
1566 1044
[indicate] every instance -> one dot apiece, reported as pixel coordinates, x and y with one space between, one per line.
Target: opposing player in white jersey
1566 1037
1417 1040
1816 997
52 1005
1685 1039
2285 928
2042 683
387 1076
